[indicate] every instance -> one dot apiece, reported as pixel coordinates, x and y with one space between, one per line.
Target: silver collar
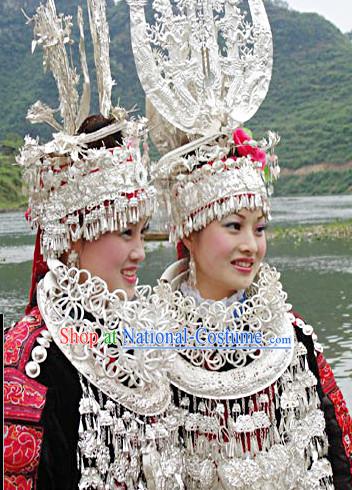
73 299
228 374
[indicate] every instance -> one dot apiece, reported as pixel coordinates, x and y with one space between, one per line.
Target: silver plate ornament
202 63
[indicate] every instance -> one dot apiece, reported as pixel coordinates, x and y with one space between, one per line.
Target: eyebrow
243 217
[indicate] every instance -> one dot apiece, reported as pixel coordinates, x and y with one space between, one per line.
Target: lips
129 274
244 265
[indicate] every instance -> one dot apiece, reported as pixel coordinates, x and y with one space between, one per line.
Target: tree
279 3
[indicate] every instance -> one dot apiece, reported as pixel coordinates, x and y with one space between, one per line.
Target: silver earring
192 278
73 259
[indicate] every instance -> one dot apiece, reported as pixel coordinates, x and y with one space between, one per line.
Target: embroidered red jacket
337 418
24 400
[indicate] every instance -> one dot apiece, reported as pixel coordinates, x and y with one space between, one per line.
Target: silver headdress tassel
76 191
206 70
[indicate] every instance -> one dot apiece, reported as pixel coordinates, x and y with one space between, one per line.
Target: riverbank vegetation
334 230
339 229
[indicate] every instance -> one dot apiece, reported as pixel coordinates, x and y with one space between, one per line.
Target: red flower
256 154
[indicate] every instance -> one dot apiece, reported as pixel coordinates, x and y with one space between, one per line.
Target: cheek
215 248
116 256
105 255
262 248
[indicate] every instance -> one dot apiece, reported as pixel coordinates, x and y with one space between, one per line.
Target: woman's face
228 253
115 257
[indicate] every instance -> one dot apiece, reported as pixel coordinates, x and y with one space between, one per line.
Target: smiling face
228 253
115 257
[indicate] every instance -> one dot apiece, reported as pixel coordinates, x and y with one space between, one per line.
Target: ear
188 242
76 246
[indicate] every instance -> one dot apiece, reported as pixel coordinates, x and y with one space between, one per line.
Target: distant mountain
311 91
309 101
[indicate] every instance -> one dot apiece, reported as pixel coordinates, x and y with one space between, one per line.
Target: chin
129 290
241 284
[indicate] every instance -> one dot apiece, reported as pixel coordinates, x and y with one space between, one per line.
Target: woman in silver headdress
256 402
259 406
78 404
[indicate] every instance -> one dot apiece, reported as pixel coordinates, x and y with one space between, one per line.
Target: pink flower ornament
240 138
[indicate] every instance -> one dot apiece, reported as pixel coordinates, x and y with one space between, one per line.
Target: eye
234 225
126 232
261 228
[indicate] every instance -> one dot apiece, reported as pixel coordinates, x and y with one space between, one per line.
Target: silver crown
76 192
206 70
217 179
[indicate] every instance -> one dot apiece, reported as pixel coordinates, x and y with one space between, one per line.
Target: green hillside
316 184
310 98
10 175
308 103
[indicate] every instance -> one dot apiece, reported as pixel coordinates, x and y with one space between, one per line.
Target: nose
249 244
137 252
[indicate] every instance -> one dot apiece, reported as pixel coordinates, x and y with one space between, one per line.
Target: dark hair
94 123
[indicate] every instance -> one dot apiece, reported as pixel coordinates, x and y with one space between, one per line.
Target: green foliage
278 3
11 195
320 183
310 94
308 102
334 230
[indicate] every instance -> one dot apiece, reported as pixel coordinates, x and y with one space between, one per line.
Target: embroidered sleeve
343 417
24 400
18 482
22 445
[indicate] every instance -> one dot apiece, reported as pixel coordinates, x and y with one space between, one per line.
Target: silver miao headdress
206 70
75 191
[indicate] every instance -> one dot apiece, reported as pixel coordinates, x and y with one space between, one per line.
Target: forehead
244 213
252 217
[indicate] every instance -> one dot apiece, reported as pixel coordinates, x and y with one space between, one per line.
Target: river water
317 275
